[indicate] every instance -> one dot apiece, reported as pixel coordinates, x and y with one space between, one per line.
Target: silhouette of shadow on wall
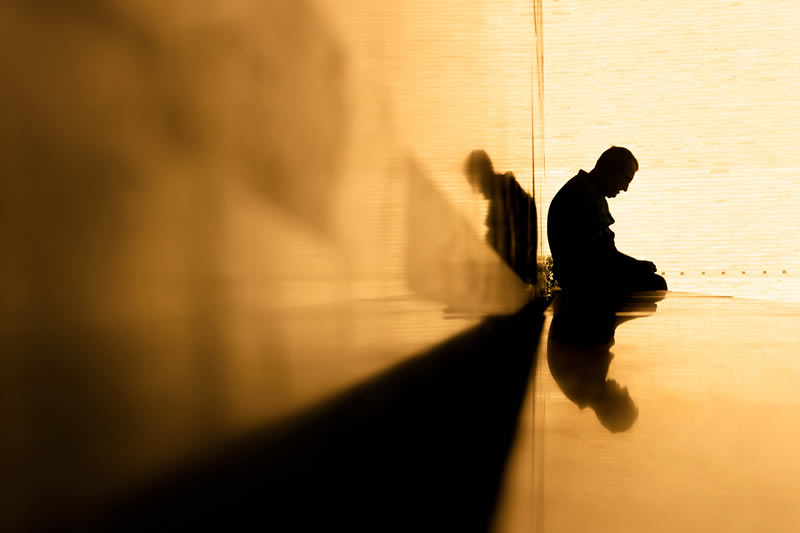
579 352
447 262
511 225
421 445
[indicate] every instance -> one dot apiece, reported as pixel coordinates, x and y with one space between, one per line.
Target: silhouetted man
511 220
581 241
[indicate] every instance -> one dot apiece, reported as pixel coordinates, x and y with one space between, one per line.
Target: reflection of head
615 169
615 408
479 171
581 333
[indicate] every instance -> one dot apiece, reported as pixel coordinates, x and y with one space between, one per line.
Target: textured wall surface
705 94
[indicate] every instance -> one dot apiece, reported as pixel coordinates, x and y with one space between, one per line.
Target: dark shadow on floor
421 446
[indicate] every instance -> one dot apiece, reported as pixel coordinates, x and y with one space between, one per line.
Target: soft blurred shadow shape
446 259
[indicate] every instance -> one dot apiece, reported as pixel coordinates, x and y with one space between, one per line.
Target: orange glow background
704 94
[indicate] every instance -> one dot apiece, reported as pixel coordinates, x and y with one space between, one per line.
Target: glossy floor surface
668 412
671 415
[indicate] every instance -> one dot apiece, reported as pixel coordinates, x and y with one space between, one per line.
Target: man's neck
591 178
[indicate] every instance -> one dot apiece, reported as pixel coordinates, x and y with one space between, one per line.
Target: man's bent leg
650 282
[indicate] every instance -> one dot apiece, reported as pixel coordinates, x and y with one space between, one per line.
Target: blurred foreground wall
213 214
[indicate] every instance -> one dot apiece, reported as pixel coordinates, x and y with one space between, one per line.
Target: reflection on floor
661 414
693 427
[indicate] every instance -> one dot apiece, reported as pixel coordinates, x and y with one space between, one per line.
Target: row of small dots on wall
724 273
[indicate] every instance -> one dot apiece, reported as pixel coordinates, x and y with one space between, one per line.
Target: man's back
578 221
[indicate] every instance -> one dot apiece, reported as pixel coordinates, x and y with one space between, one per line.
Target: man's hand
649 266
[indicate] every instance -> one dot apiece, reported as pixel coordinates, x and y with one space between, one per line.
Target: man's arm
629 263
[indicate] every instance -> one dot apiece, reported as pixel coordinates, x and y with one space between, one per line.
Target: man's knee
656 283
643 282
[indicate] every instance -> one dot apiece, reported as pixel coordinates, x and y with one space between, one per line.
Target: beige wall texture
705 94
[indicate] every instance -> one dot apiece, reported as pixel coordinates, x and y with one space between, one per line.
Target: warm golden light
240 238
703 93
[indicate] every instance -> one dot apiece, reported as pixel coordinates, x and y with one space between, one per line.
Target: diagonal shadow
422 445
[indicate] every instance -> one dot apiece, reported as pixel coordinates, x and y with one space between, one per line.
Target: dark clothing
511 225
582 243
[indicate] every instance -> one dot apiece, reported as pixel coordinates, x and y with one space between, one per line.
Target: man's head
479 171
614 407
614 170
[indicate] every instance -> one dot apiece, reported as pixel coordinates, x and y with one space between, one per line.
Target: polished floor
700 433
669 412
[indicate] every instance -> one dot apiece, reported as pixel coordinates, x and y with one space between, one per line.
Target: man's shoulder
577 196
577 186
580 180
